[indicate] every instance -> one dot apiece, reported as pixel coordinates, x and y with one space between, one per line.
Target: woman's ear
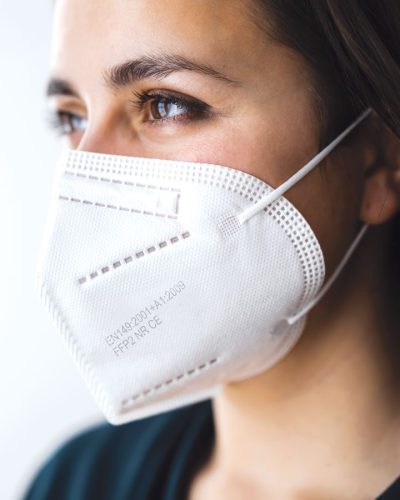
381 195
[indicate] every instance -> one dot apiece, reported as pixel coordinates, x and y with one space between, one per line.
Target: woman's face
199 81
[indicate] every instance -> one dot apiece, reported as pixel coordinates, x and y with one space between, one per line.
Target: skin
330 408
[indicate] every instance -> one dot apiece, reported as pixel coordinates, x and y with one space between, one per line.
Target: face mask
168 279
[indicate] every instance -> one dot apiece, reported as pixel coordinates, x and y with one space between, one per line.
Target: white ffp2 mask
168 279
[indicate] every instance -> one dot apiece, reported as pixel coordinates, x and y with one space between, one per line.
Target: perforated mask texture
160 295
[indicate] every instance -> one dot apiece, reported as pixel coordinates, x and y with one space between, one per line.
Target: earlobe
381 197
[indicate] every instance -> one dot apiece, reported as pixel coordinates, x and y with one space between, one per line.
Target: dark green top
150 459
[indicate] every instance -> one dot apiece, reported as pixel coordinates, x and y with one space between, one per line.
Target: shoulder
103 459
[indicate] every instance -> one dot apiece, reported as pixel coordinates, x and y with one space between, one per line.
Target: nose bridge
108 139
110 133
94 141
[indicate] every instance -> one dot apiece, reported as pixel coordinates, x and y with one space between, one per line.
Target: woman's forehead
220 32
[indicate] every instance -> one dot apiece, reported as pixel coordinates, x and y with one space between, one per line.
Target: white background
43 398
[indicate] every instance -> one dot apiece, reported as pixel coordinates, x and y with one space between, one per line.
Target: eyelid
67 103
166 93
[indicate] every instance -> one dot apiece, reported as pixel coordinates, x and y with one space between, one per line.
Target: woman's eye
66 123
162 106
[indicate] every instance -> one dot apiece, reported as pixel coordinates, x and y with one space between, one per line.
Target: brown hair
353 50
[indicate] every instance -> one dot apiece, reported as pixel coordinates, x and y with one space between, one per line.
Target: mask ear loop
276 193
292 319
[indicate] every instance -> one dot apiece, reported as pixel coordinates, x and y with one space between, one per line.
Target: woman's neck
326 419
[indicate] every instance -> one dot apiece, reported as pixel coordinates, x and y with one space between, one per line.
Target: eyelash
58 120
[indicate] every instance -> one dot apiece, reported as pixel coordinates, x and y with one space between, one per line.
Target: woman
260 86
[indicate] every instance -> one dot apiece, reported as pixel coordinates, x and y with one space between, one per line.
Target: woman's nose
110 135
109 143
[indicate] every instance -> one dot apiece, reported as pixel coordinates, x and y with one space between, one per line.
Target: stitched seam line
131 258
235 181
118 181
167 383
204 174
124 209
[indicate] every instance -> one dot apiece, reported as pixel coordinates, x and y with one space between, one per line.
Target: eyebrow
57 86
148 66
158 66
